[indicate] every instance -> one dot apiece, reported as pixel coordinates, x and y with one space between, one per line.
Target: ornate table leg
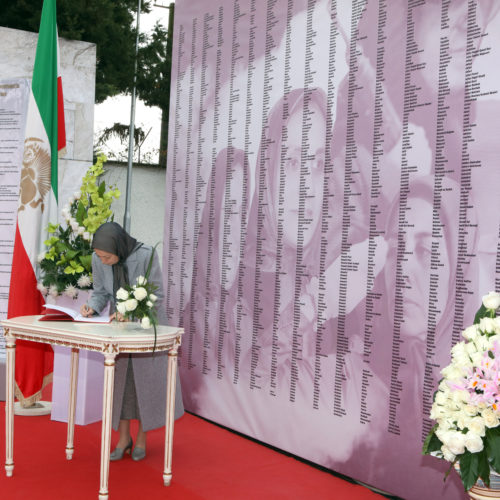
10 344
107 405
73 378
170 412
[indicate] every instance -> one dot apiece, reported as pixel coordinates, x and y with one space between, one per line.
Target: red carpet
208 463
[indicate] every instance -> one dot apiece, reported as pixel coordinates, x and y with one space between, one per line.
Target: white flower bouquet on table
137 302
467 402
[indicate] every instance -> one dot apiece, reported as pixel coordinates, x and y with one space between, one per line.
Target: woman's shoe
117 453
138 454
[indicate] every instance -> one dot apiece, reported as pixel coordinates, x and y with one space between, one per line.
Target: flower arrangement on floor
467 402
66 265
137 302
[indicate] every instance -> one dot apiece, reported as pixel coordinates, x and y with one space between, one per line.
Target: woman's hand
118 316
86 311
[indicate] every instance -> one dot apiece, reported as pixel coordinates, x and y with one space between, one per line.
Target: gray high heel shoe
138 454
117 453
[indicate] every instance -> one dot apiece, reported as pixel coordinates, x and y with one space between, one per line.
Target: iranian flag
45 138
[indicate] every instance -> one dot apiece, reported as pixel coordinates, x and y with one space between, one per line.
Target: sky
117 109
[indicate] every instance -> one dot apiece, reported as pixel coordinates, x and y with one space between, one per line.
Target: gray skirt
130 407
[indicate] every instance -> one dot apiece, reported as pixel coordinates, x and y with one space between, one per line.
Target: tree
154 74
107 23
110 25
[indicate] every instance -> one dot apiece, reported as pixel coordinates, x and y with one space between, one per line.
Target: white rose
471 332
492 300
141 280
470 348
77 195
455 441
437 412
81 230
482 343
460 354
471 410
460 396
130 304
86 236
492 340
487 325
473 442
152 297
120 307
452 372
140 293
122 294
463 420
447 454
476 425
145 322
476 358
149 304
496 320
490 418
441 398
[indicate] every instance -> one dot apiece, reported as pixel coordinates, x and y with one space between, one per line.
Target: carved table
111 339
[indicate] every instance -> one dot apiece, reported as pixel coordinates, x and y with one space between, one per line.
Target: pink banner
332 219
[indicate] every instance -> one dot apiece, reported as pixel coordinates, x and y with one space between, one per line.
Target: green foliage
431 443
67 263
110 24
493 447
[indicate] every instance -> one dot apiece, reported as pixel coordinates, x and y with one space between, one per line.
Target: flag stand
36 410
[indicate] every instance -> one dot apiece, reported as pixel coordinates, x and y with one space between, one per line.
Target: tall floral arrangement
66 265
467 402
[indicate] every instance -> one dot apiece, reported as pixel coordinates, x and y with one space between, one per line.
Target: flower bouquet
137 302
66 265
467 402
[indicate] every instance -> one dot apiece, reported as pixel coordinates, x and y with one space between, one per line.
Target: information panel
332 219
14 95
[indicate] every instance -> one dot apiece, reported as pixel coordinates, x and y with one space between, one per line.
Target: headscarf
112 238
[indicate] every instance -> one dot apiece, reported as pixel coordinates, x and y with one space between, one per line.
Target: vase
480 492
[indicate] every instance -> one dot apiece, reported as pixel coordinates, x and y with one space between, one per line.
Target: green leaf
483 467
481 313
102 188
150 264
81 213
86 261
493 447
71 254
432 442
469 469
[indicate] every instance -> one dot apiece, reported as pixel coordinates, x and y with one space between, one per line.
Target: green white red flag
44 138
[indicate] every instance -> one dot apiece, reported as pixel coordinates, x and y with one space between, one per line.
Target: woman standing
140 379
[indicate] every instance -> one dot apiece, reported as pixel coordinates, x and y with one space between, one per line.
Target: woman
140 379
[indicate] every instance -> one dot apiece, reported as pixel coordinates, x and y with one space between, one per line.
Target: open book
59 313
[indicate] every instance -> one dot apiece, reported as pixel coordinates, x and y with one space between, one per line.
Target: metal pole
126 217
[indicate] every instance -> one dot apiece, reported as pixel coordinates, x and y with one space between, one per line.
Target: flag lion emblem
35 174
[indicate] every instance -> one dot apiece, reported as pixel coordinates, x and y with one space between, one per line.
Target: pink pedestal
90 378
89 388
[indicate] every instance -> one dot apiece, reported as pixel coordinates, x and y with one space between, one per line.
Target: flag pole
126 217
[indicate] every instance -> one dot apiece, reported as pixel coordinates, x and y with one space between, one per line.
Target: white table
110 339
